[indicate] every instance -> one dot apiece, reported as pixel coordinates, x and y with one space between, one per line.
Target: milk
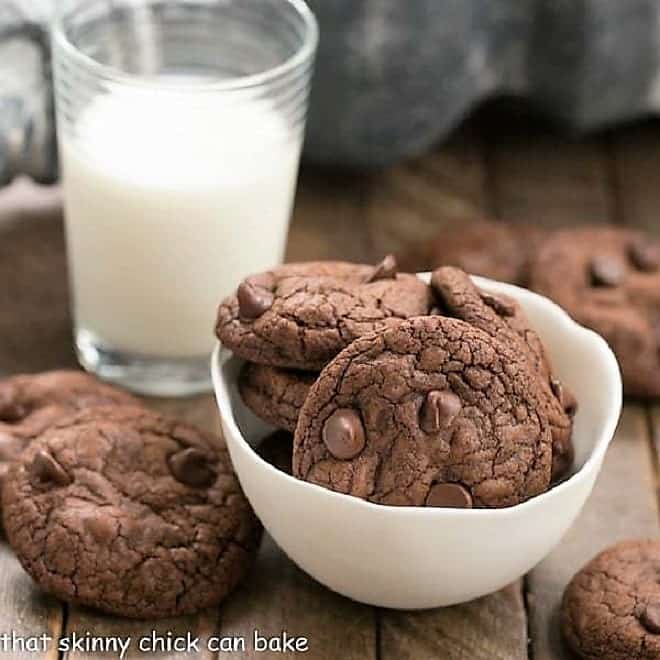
171 198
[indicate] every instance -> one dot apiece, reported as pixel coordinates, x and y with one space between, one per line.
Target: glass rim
302 55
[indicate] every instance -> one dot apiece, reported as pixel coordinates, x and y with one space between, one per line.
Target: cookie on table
30 403
498 250
274 394
611 608
433 411
503 318
129 512
609 280
300 316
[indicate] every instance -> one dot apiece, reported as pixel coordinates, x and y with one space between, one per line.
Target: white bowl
416 557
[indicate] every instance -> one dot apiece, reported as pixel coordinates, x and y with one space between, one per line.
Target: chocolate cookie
433 411
611 608
30 403
498 250
300 316
609 280
503 318
129 512
275 395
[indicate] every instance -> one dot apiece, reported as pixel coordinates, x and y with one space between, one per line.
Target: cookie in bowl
299 316
431 412
274 394
503 318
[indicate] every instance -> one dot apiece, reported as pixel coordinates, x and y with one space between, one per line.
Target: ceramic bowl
417 557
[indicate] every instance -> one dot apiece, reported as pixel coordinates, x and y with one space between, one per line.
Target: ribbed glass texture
241 49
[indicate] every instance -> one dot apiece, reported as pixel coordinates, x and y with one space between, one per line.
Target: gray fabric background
395 76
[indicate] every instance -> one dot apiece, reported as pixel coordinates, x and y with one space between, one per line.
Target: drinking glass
180 125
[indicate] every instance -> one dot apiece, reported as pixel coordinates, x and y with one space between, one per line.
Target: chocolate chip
565 397
607 270
644 254
500 305
650 617
343 434
453 496
191 467
439 410
385 270
253 300
47 470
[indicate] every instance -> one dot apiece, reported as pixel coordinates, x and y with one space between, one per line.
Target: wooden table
521 174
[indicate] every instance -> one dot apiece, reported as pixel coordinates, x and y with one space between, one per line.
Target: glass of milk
180 125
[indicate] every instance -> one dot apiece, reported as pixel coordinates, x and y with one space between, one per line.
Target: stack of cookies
607 278
399 392
114 506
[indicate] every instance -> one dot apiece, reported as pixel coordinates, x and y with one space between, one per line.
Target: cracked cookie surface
503 318
30 403
129 512
432 411
274 394
611 608
609 280
301 315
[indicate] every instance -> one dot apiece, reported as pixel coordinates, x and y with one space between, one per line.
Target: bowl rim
592 462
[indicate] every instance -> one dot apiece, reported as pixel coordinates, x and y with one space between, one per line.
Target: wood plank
328 219
280 597
637 163
491 628
23 609
35 325
25 612
536 177
414 201
623 505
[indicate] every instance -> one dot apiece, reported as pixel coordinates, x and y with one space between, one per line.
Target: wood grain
636 154
279 597
491 628
328 220
622 505
412 202
546 180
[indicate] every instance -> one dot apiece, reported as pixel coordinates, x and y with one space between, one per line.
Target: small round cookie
274 394
503 318
434 412
30 403
299 316
499 250
129 512
611 608
609 280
